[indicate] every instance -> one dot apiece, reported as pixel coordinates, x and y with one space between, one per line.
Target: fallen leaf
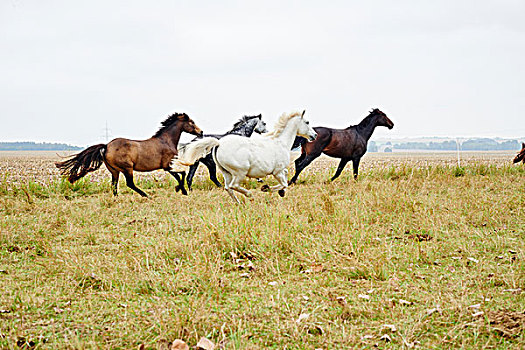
5 311
434 310
272 283
475 306
245 275
405 302
391 327
477 314
513 290
205 344
473 260
179 345
364 296
386 337
302 317
367 336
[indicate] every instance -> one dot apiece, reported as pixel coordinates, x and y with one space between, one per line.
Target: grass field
418 253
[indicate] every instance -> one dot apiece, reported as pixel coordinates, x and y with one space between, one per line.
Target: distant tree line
34 146
484 144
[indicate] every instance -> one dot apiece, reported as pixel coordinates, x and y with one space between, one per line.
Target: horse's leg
303 164
297 162
236 185
227 182
129 181
191 174
355 163
114 180
212 169
180 182
282 178
340 168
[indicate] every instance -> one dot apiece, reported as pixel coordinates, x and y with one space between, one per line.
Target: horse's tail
192 152
298 142
86 161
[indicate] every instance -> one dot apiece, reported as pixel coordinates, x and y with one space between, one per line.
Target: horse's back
254 157
345 143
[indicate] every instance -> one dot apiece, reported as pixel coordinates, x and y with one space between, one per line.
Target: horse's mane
170 120
281 123
366 119
244 119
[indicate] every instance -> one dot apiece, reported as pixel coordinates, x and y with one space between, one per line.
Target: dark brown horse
348 144
521 155
125 156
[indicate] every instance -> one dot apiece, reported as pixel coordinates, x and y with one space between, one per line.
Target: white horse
238 157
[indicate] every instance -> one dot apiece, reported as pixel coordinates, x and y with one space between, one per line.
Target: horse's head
190 127
260 127
382 119
520 157
305 130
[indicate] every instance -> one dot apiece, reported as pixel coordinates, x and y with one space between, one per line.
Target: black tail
86 161
298 142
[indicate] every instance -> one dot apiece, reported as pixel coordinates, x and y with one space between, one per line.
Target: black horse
347 144
244 127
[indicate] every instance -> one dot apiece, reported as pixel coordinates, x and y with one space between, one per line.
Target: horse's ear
304 111
523 144
260 116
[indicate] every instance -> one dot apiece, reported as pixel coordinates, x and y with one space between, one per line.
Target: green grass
82 269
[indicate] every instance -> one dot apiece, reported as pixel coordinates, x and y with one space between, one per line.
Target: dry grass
417 253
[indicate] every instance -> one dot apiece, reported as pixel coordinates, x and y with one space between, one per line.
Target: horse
245 126
347 144
521 155
238 157
124 156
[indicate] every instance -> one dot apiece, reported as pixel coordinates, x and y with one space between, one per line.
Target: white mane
281 123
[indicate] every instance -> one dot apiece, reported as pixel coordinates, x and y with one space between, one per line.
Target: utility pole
106 132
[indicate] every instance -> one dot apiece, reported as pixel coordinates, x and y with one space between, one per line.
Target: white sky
437 68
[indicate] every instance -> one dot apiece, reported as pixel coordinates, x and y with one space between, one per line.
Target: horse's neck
367 126
287 136
244 130
172 135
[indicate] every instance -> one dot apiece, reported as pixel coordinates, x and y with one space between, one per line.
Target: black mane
244 120
169 121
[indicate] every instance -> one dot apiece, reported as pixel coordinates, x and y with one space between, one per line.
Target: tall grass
330 265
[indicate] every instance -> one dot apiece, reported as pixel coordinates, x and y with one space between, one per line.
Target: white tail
192 152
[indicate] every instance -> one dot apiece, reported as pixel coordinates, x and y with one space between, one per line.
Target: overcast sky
436 68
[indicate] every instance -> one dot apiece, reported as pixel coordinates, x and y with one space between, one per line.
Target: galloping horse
521 155
238 157
246 126
347 144
124 156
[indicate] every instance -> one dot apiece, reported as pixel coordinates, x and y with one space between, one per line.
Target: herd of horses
247 150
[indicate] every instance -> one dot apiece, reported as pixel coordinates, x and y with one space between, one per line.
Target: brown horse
123 155
521 155
347 144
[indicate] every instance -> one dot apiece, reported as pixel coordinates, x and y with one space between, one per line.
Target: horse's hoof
281 193
265 188
177 189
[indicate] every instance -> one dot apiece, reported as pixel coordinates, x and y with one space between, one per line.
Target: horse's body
246 126
238 157
521 155
125 156
349 144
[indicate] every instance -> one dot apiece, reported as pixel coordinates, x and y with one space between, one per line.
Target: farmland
418 253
